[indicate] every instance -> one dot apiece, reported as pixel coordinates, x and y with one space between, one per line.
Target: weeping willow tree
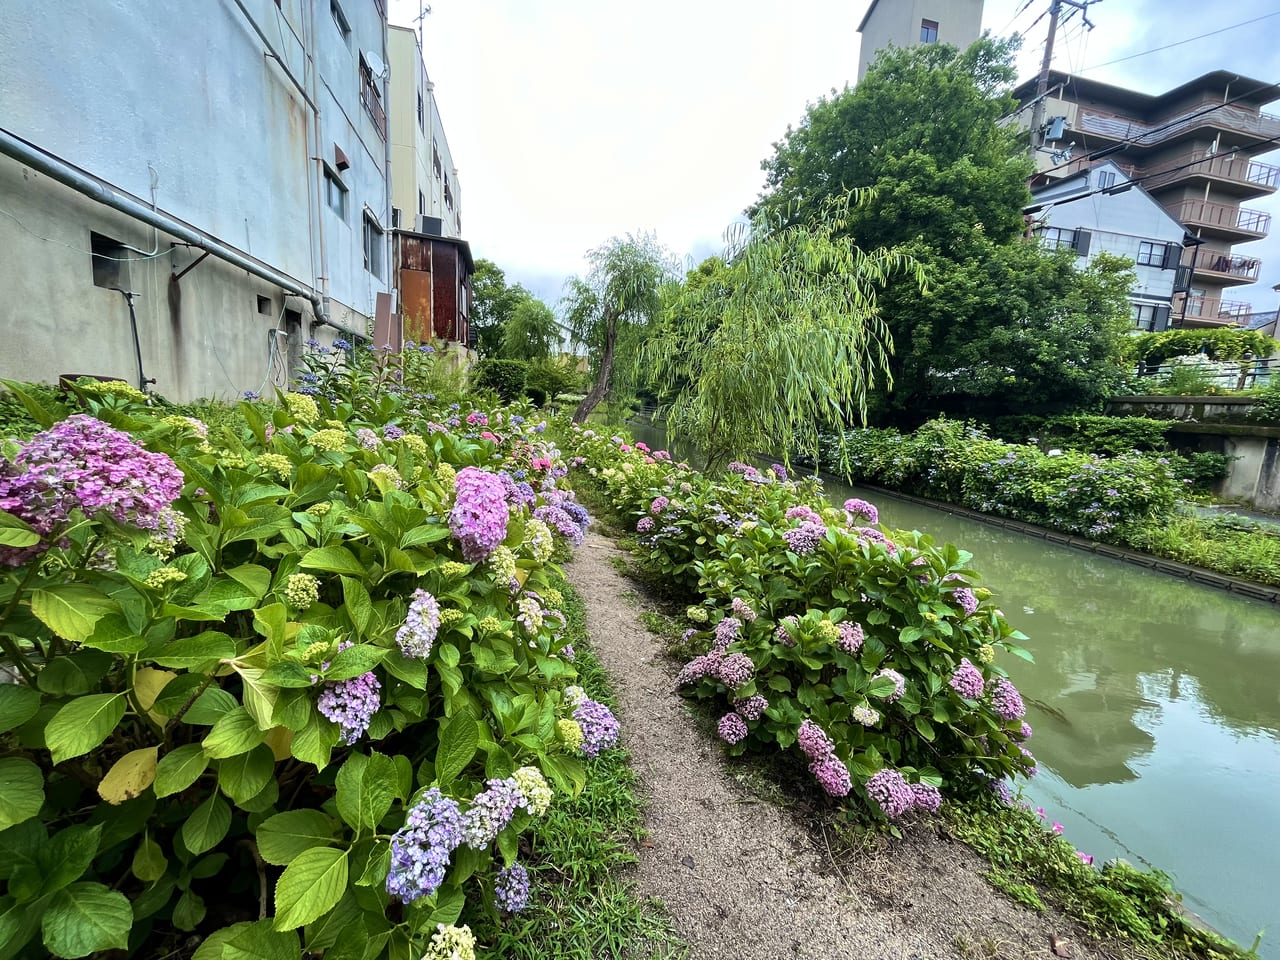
777 342
608 309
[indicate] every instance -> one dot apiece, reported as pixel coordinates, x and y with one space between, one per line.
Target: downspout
95 189
386 163
321 279
137 343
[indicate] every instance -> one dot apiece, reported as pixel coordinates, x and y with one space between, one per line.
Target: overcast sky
573 121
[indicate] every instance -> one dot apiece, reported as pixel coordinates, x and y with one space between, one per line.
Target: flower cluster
351 704
803 512
659 504
743 610
598 724
727 631
697 614
276 463
530 615
814 741
420 850
491 811
451 943
503 562
967 600
967 680
161 577
785 632
832 775
804 539
537 537
301 590
559 520
858 509
534 788
891 791
1006 701
851 638
570 733
388 473
752 707
421 624
733 729
330 438
865 715
511 889
367 438
302 408
735 670
478 519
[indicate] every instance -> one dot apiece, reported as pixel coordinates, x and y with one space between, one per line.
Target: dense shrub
1108 436
1266 405
295 684
874 658
1233 547
16 422
505 377
537 396
554 376
1224 343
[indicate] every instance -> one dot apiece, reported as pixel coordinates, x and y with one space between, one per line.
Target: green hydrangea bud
535 788
453 570
446 475
697 614
161 577
276 463
450 616
490 625
301 407
828 631
554 598
301 590
986 653
329 439
570 733
320 509
416 444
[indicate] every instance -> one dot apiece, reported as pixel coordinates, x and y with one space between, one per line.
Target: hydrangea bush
871 655
293 684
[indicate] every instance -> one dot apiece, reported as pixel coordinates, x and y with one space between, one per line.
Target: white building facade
1070 213
248 141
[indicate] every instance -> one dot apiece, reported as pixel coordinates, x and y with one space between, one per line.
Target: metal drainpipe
386 155
137 343
82 182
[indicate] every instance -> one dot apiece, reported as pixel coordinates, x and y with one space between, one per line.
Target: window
110 262
340 19
1106 179
335 194
422 119
1150 254
395 217
264 306
1150 317
422 204
372 246
371 97
928 31
435 158
1056 237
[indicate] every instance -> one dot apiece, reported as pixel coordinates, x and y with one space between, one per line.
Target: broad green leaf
458 741
882 687
149 862
272 622
284 836
356 601
113 634
74 674
366 789
86 918
449 903
18 704
191 653
21 845
21 791
226 596
235 732
259 696
83 724
71 610
129 776
188 911
257 578
924 727
15 532
210 707
289 674
242 777
207 825
18 924
310 886
39 413
68 855
334 560
250 941
354 661
315 741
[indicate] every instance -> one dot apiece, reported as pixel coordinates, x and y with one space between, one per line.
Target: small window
110 262
1106 179
335 193
340 19
422 115
928 31
422 204
1144 316
264 306
1150 254
372 246
395 218
435 159
1056 237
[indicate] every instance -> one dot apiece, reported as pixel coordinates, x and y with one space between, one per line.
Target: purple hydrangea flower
832 775
392 432
1006 701
727 631
599 727
559 520
644 525
707 665
733 729
420 850
926 797
804 539
490 812
1025 732
478 519
779 471
351 704
814 741
511 889
804 513
967 680
743 610
735 670
899 683
659 504
367 438
861 510
418 632
967 600
890 790
783 634
851 638
872 535
751 708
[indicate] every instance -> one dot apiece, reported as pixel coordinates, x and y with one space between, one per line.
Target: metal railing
1258 373
1142 133
1227 166
1212 308
1207 213
1227 264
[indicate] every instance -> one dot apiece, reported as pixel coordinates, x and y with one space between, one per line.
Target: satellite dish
375 64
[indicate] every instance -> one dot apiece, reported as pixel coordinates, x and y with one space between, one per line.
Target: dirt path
741 877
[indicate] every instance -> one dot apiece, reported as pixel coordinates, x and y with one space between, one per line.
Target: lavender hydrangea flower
699 667
751 708
1025 732
367 438
420 850
804 539
967 600
927 797
779 471
644 524
659 504
490 811
599 727
478 519
392 432
735 670
727 631
784 632
733 729
418 632
351 704
899 683
890 790
872 535
967 680
1006 701
804 513
861 510
743 610
851 638
832 775
814 741
558 519
511 889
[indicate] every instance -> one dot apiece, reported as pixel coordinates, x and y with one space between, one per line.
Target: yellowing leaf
279 739
147 684
129 776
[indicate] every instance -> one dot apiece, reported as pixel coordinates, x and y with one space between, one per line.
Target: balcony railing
1145 134
1238 169
1243 269
1222 216
1211 308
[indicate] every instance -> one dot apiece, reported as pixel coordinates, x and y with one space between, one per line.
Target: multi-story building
424 181
1194 149
188 196
909 23
1068 212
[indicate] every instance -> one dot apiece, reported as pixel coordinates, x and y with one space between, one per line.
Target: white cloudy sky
572 121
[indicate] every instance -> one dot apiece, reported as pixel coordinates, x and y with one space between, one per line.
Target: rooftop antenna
424 11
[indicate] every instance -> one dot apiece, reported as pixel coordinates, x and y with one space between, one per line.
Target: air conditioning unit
433 226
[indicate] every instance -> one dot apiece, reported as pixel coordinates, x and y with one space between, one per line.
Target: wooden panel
415 304
414 253
445 289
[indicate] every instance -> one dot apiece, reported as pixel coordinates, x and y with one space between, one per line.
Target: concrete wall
1196 409
184 109
897 23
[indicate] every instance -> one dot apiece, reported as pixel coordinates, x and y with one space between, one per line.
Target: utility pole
1042 84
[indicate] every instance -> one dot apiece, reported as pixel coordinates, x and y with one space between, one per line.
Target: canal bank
1155 706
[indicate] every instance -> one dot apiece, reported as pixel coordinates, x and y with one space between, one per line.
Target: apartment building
188 195
1195 150
424 181
909 23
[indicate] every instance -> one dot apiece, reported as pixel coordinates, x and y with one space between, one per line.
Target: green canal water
1156 708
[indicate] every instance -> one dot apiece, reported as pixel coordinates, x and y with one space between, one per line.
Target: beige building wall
898 23
424 180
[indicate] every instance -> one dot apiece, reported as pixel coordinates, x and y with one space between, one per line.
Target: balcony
1230 173
1248 129
1225 267
1210 311
1227 221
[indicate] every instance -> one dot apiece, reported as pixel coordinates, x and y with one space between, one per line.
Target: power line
1178 43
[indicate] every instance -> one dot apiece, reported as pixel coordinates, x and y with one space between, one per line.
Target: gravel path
742 878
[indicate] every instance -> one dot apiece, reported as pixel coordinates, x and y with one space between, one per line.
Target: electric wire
1178 43
72 246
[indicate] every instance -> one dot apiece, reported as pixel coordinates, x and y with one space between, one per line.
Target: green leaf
74 674
149 862
21 791
18 704
256 578
310 886
354 661
924 728
283 837
210 707
1018 651
334 560
449 904
83 724
86 918
15 532
113 634
289 674
882 687
71 610
315 741
459 739
259 697
18 924
46 418
356 601
250 941
68 856
188 911
207 825
366 789
242 777
191 653
235 733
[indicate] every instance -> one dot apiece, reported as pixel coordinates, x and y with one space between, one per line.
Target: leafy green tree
531 332
785 338
493 303
608 308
